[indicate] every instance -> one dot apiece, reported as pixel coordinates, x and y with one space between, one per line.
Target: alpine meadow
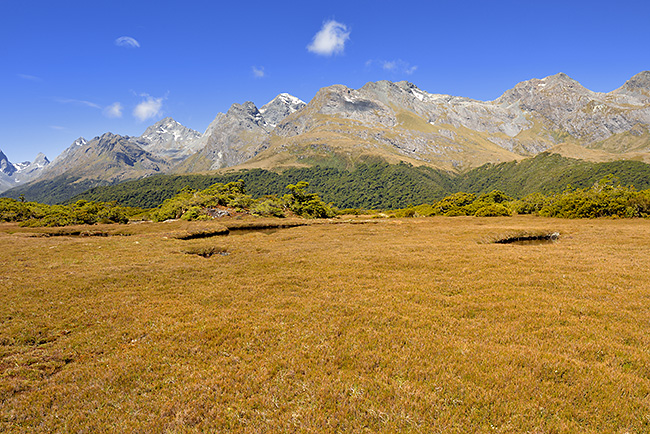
325 217
350 325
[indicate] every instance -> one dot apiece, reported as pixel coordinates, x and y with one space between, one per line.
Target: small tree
306 204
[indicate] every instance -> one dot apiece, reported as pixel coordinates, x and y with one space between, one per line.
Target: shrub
270 207
193 213
406 212
493 210
531 204
454 202
306 204
424 210
495 196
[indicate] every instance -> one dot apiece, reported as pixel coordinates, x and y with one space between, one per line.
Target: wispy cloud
113 111
258 72
330 39
57 127
79 102
127 41
29 77
149 108
396 66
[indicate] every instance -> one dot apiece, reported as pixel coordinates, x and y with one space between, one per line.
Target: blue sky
66 73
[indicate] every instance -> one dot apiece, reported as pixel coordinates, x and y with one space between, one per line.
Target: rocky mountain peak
39 162
640 83
642 79
169 139
29 170
246 113
167 130
164 123
40 159
5 165
548 91
108 137
289 99
559 77
280 107
79 142
12 174
406 85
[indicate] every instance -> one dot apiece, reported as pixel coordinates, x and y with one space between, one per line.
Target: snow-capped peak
290 99
79 142
280 107
167 130
39 163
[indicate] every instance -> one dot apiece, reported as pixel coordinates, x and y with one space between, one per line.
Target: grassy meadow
379 326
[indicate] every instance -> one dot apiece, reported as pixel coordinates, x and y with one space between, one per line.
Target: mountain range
342 127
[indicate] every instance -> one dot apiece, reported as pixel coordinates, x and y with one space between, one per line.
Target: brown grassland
412 325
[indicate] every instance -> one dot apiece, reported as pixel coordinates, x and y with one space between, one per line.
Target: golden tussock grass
411 325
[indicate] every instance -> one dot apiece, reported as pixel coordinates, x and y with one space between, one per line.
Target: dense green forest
550 173
386 186
368 186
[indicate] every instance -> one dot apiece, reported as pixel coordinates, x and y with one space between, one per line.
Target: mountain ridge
393 122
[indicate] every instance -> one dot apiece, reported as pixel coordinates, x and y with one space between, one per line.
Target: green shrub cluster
306 204
493 204
191 204
33 214
606 198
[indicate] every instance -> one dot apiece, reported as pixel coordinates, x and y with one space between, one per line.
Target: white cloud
149 108
330 39
398 66
57 127
114 110
79 102
410 70
258 72
30 77
127 41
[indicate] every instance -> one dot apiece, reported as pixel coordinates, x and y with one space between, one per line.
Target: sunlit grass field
392 325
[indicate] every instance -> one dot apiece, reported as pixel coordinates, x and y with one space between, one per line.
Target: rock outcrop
170 140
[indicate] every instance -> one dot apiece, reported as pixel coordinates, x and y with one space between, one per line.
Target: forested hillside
385 186
371 186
